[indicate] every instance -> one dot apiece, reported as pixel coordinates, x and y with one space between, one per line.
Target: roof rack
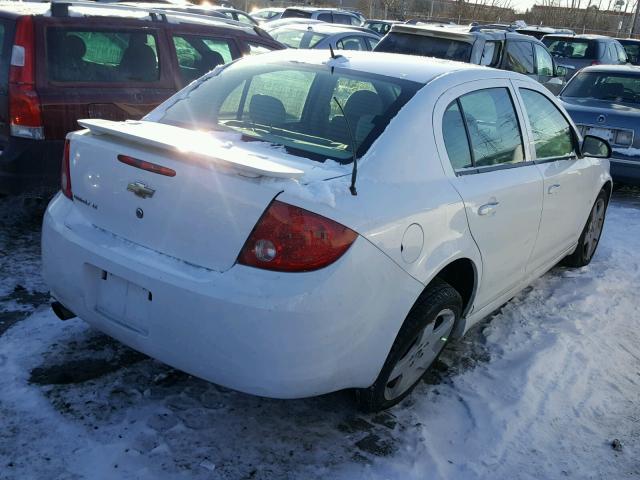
61 9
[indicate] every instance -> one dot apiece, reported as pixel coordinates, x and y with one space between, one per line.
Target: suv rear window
294 107
293 13
423 46
101 56
570 48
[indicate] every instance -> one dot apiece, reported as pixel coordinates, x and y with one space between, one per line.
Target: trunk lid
203 213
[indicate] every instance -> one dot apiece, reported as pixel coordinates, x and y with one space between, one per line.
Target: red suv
62 62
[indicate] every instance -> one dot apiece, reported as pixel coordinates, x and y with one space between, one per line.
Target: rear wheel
420 341
590 237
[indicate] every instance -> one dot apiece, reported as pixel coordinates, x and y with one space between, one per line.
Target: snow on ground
540 390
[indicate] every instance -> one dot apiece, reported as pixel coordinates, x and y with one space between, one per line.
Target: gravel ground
531 392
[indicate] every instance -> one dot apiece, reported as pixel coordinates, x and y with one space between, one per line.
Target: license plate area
121 301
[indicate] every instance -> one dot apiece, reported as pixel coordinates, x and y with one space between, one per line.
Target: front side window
257 48
325 17
551 131
544 63
622 55
492 126
293 106
101 56
520 57
342 19
490 54
633 51
198 55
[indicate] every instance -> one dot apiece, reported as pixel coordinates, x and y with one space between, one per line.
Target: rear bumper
625 171
30 165
264 333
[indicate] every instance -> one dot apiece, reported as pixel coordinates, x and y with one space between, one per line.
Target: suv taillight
65 171
291 239
25 117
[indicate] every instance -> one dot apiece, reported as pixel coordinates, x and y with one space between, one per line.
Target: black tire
437 298
587 244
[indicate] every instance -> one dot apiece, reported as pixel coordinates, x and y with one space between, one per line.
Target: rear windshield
424 46
633 51
101 56
295 38
292 13
570 48
293 106
605 86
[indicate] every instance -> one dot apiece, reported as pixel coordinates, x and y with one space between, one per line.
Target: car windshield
297 38
424 46
605 86
570 48
293 106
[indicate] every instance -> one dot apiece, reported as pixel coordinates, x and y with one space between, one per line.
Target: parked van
63 62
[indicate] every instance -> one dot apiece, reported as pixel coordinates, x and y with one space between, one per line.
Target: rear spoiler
185 142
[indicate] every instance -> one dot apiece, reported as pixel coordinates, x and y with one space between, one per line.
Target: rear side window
297 38
492 126
199 55
325 17
622 55
490 54
520 57
75 55
424 46
551 131
352 43
455 137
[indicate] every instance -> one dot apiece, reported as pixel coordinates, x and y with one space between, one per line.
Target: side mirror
561 71
595 147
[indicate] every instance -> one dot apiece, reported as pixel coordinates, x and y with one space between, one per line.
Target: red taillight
25 117
65 171
596 62
148 166
291 239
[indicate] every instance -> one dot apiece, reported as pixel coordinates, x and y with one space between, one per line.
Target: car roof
141 12
327 28
462 32
406 67
578 37
613 69
321 9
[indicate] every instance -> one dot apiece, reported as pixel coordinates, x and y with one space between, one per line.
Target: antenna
354 171
333 55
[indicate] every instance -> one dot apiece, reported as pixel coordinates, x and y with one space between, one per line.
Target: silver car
325 35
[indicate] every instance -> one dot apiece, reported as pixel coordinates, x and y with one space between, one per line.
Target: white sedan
294 224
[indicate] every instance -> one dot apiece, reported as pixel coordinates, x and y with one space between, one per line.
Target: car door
567 178
482 144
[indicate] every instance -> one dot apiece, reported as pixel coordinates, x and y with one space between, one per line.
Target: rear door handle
488 208
553 188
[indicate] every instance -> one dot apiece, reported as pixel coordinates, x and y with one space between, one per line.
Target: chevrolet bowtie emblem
141 190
